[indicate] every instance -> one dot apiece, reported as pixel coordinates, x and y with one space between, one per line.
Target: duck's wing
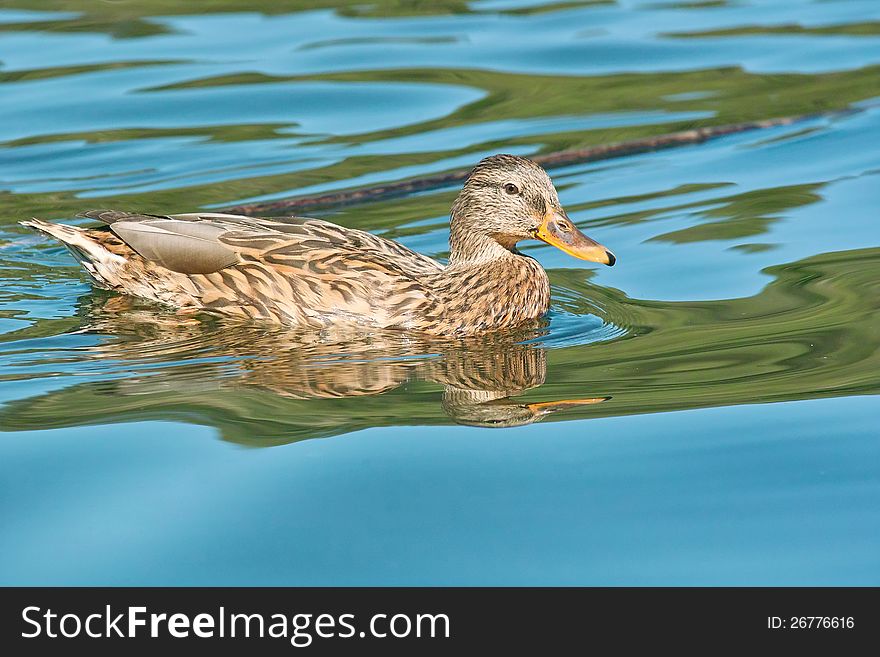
207 242
303 268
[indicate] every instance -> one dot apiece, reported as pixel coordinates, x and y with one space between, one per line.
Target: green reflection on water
811 333
743 215
731 95
868 28
124 19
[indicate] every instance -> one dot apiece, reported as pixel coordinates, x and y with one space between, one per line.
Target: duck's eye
511 189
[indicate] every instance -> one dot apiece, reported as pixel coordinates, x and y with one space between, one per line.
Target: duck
311 273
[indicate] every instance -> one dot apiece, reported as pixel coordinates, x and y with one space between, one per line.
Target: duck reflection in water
263 385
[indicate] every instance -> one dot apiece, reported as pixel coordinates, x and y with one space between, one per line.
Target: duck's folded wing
201 243
181 246
299 265
189 245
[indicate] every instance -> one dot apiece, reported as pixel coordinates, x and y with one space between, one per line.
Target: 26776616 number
811 622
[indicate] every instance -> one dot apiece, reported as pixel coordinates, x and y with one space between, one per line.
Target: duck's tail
89 251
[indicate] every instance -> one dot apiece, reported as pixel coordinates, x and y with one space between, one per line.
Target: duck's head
507 199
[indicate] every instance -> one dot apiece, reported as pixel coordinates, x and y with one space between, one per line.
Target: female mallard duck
312 273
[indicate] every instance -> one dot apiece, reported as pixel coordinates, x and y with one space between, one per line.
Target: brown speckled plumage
313 273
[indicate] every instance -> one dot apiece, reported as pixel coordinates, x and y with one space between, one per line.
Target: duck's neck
467 246
488 285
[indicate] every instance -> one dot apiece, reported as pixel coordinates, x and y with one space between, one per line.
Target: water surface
702 413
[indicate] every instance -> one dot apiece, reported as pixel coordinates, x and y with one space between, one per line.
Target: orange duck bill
544 408
557 230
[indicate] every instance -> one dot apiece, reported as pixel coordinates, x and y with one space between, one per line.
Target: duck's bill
544 408
557 230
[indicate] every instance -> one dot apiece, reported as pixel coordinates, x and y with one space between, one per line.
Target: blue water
734 350
680 498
